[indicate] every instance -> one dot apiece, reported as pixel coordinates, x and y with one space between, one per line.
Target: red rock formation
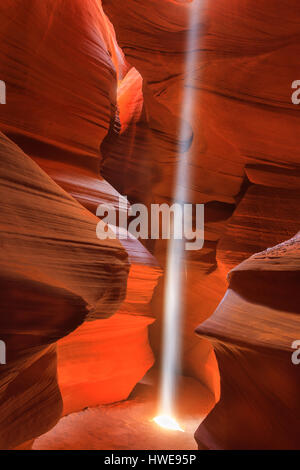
76 105
54 275
101 361
245 130
62 92
61 105
157 50
252 332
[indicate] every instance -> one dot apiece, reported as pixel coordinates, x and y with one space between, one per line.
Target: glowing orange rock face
61 105
245 132
63 90
54 275
65 78
253 330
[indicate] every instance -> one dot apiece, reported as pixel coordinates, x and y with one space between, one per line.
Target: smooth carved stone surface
62 93
57 59
55 274
265 217
157 50
245 123
245 129
128 155
252 331
76 103
101 361
61 110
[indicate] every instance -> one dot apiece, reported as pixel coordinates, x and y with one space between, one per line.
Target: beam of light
168 423
171 352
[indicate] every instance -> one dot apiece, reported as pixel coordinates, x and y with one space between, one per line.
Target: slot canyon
93 116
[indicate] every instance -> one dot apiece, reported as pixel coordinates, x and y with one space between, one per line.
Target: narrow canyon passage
128 425
113 105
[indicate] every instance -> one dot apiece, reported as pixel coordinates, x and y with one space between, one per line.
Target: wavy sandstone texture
252 332
61 64
54 275
244 166
88 94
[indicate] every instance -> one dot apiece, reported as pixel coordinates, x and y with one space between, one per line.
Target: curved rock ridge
55 274
61 97
245 125
127 158
252 331
62 91
157 50
77 104
243 144
264 217
102 361
61 107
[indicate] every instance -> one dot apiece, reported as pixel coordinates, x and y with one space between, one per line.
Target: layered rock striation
61 284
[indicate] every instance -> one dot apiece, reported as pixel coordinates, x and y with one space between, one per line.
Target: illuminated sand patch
167 422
